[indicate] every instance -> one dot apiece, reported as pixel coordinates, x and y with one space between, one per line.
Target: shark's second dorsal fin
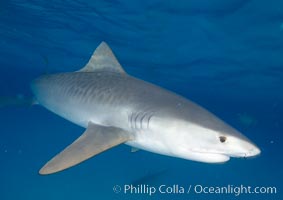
103 59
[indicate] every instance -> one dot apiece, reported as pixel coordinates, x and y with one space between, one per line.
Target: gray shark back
82 96
110 99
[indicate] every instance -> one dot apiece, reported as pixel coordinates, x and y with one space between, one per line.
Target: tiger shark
117 108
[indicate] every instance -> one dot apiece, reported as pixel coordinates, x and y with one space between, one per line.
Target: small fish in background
246 119
150 177
46 63
18 100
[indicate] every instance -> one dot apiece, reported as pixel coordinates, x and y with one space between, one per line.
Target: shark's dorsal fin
103 59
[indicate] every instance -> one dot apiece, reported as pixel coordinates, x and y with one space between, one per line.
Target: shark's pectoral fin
93 141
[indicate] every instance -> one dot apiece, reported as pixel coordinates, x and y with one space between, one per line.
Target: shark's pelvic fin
103 59
134 150
93 141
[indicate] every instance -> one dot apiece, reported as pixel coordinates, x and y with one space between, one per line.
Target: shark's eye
222 139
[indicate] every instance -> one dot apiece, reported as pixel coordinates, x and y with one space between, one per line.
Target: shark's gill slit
148 120
136 122
141 120
131 120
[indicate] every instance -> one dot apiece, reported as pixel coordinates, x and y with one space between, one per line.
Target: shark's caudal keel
117 108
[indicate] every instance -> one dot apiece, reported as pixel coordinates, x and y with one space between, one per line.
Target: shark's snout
244 149
252 152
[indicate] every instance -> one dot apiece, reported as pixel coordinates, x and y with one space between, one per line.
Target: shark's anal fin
103 59
93 141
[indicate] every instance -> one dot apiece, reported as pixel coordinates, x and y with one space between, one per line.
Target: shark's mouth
209 157
218 157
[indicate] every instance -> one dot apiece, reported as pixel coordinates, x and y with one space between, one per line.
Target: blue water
225 55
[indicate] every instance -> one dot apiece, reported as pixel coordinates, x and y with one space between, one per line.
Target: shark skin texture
116 108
